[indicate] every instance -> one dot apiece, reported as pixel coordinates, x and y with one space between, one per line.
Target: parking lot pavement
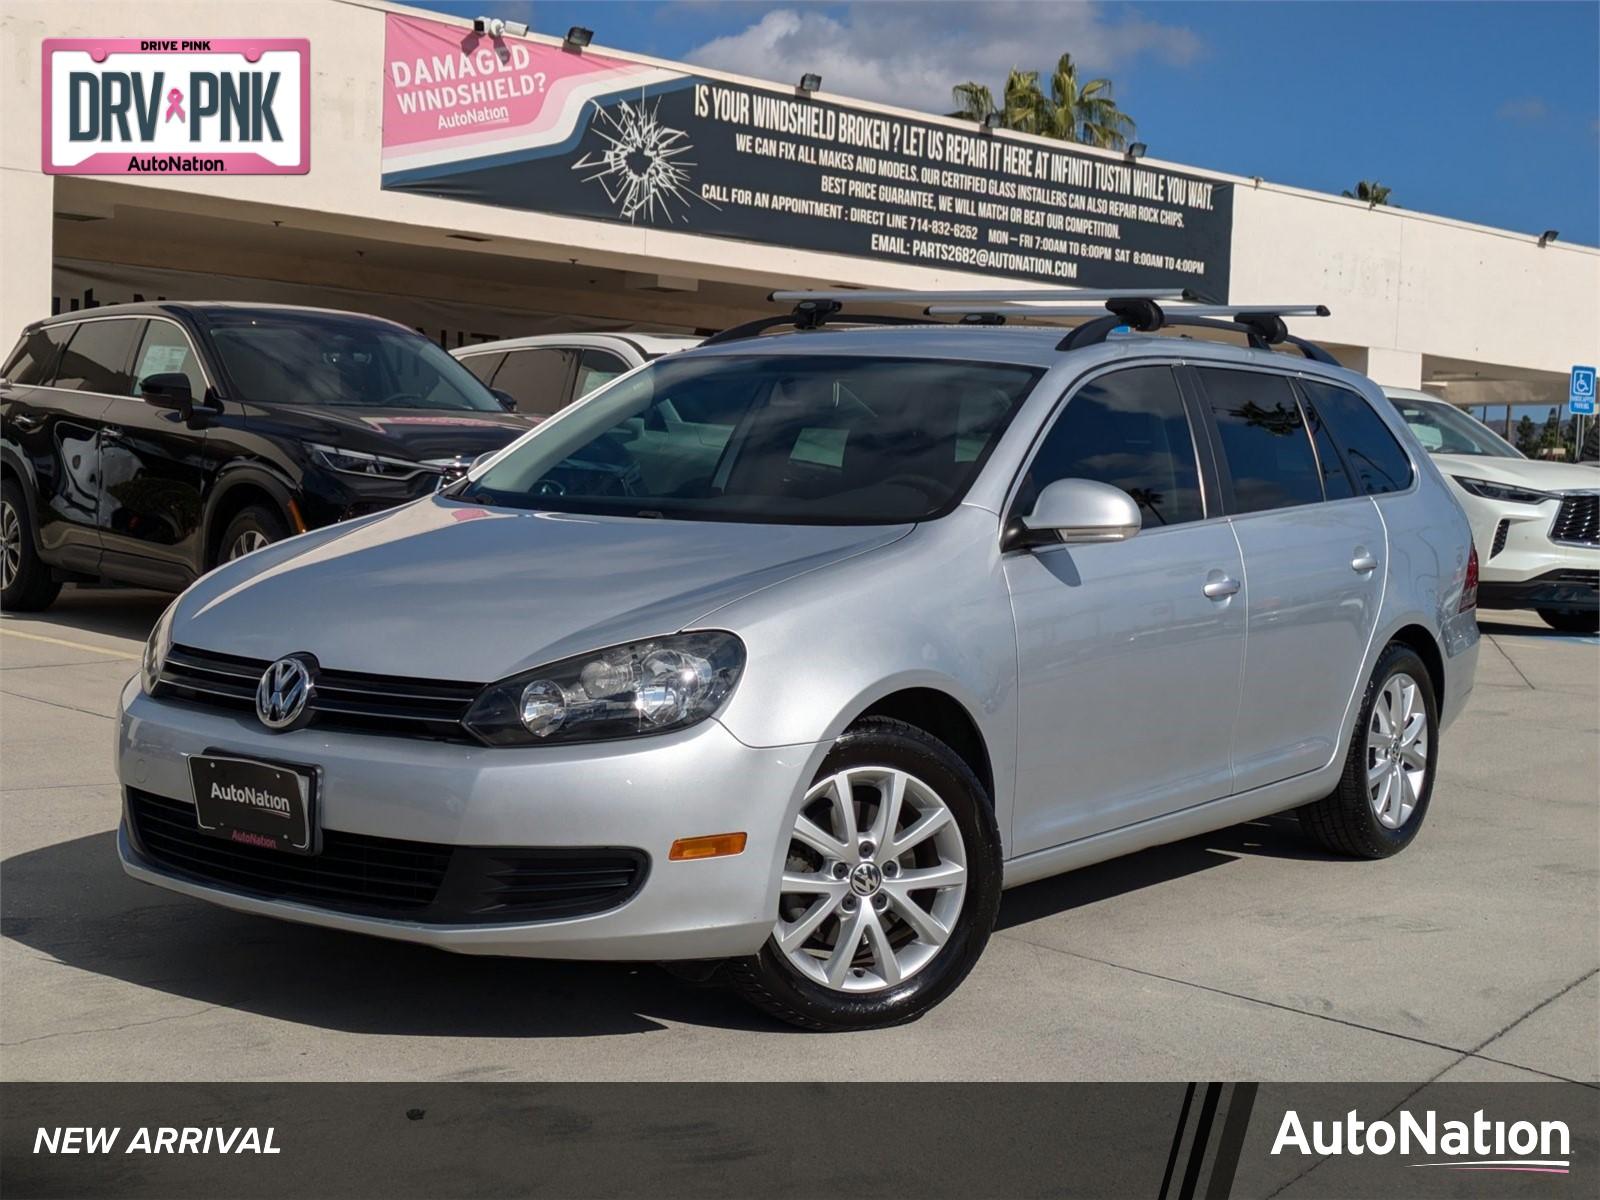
1246 954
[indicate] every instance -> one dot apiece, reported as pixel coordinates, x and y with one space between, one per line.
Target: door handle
1220 588
26 422
1363 561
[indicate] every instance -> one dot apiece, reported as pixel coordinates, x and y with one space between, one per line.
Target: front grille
387 877
1578 519
1500 532
343 700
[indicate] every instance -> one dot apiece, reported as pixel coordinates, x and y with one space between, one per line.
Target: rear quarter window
1374 455
33 362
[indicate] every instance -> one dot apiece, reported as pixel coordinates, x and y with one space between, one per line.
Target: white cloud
912 54
1523 109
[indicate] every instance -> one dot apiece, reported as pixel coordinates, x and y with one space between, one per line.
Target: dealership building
394 161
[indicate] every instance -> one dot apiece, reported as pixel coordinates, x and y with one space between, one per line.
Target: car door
67 421
1314 565
1127 669
153 463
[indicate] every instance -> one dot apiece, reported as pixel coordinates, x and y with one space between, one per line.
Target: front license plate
255 803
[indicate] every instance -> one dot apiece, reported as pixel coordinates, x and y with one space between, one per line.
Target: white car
1536 524
542 375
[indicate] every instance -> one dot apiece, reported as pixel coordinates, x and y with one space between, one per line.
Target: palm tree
1072 112
1374 193
973 101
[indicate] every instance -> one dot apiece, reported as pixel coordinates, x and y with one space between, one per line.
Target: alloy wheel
873 882
1397 750
10 544
247 542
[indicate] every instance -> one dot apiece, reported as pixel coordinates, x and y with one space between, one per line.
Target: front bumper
1564 589
643 793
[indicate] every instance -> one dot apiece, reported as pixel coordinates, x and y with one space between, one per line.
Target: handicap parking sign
1580 397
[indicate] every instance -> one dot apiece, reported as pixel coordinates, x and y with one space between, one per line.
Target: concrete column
27 200
1392 368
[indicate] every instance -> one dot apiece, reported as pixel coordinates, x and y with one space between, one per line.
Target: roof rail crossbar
1091 310
985 296
1263 327
808 314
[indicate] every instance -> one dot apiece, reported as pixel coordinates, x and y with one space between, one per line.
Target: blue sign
1580 397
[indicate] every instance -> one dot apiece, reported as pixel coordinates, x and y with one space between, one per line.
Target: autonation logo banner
153 106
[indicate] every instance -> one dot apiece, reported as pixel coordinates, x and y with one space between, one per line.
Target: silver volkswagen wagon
778 659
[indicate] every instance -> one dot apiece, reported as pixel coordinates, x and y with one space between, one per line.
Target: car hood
1541 474
408 432
444 590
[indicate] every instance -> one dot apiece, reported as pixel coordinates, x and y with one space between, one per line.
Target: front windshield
345 362
1443 429
778 438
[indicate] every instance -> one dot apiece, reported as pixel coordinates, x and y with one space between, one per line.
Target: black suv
145 443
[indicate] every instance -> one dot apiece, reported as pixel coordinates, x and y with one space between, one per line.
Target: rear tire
1389 769
250 530
857 945
1571 620
26 584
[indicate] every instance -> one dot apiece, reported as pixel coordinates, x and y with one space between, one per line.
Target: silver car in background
779 658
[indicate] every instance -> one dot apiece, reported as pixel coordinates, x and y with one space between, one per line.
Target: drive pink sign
156 106
451 95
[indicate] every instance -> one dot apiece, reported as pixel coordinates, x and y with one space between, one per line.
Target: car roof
167 308
645 345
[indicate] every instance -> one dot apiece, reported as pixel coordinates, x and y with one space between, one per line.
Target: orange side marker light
717 845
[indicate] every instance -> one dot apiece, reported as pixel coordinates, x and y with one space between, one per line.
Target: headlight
155 650
373 466
1501 491
638 688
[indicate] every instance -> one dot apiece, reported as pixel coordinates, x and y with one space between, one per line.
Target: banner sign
707 1141
518 124
214 106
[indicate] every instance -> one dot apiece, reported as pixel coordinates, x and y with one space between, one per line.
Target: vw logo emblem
283 697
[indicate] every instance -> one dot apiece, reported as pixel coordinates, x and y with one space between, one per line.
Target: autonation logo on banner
214 106
1478 1144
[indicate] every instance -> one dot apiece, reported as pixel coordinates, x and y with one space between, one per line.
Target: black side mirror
168 390
507 400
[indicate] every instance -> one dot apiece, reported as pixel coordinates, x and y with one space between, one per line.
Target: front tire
1383 794
1571 620
26 584
890 886
250 530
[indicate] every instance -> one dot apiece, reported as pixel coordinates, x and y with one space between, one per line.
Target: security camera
493 26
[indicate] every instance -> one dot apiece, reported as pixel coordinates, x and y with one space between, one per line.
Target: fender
239 474
16 464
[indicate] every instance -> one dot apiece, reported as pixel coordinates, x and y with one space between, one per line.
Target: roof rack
813 309
1262 324
987 296
1136 308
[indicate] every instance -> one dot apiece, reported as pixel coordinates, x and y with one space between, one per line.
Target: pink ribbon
175 105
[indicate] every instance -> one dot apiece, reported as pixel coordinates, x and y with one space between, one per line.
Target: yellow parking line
54 641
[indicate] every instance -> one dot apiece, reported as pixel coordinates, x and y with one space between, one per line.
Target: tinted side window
165 350
482 366
33 362
1336 483
1264 440
1374 455
596 367
537 379
1128 429
96 359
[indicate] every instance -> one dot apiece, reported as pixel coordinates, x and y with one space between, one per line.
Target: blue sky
1488 112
